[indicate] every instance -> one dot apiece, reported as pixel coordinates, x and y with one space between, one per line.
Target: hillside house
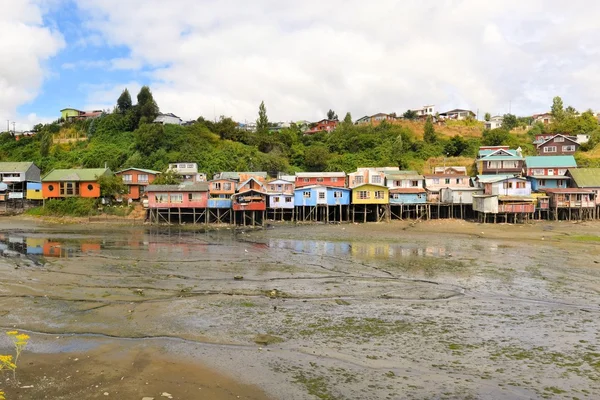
558 145
61 183
20 178
547 172
425 111
586 178
376 118
73 114
178 196
335 179
136 180
457 114
451 170
168 118
324 125
369 175
188 172
501 161
494 123
545 118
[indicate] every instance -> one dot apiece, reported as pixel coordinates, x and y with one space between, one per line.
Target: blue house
549 172
312 196
416 195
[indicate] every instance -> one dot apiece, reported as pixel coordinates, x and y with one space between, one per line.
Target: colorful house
404 180
281 194
558 145
504 185
335 179
73 114
260 176
136 180
437 182
311 196
375 176
34 191
21 180
220 192
250 195
500 161
369 193
547 172
60 183
571 198
178 196
324 125
586 178
415 195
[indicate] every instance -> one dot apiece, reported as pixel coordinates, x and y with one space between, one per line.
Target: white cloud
304 57
26 44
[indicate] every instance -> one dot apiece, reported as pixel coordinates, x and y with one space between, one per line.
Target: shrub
72 206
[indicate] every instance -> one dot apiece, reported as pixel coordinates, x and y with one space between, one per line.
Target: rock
147 398
106 393
238 277
265 339
167 395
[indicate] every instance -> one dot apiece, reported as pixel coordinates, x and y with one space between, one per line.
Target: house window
550 149
542 183
143 178
227 186
89 187
358 179
306 180
161 198
568 148
559 139
321 195
337 194
414 183
562 171
190 165
195 197
507 185
217 186
176 198
559 182
288 199
272 188
276 199
320 179
538 171
436 181
376 179
280 187
520 185
127 178
363 195
447 181
334 179
306 195
396 196
69 189
459 181
379 195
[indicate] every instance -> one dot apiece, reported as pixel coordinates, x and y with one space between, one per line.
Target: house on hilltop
558 145
168 118
73 114
457 114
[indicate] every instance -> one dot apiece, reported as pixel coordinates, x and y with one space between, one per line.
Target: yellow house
369 193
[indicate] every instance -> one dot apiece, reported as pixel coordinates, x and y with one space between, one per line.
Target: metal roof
567 190
550 162
586 177
370 184
75 175
321 186
496 178
320 174
196 187
148 171
15 166
407 190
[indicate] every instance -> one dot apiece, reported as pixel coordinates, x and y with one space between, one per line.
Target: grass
585 238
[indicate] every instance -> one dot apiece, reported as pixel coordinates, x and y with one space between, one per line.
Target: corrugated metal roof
567 190
75 175
148 171
496 178
586 177
196 187
236 175
370 184
15 166
549 177
550 162
321 186
407 190
320 174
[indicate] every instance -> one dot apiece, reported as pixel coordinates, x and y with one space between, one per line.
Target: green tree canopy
557 110
410 114
331 115
124 103
487 116
146 106
429 135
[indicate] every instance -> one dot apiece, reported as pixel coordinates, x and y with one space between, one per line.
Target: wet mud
438 309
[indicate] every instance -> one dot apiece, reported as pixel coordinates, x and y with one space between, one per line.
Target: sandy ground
438 309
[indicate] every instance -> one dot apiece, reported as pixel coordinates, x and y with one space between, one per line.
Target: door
321 196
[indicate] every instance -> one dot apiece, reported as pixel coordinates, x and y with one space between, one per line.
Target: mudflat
436 309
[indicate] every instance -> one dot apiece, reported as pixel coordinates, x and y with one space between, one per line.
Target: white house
425 110
494 122
457 114
168 118
188 172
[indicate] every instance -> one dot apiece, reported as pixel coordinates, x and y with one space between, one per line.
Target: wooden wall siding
177 199
51 190
326 181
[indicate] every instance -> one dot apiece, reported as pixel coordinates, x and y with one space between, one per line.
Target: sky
223 57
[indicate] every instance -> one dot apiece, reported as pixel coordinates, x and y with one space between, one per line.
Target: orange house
136 180
61 183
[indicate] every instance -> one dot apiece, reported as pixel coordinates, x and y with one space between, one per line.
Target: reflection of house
558 145
586 178
188 172
548 171
494 123
22 180
168 118
60 183
499 160
136 180
178 196
324 125
457 114
337 179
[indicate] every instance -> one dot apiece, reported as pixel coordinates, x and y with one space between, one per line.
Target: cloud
104 96
302 58
27 44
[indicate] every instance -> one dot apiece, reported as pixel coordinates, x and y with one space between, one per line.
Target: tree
111 185
167 177
348 118
571 112
331 115
262 123
146 106
410 114
429 135
456 146
316 157
46 142
487 116
509 122
124 102
495 137
557 110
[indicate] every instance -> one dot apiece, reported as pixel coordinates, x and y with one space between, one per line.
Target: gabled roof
586 177
446 176
15 166
147 171
574 140
370 184
242 184
322 186
280 182
550 162
75 175
320 174
407 190
498 153
196 187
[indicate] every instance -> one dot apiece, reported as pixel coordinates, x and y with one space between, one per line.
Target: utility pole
7 126
14 130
